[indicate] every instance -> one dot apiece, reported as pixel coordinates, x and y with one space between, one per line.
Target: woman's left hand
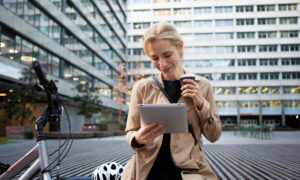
192 90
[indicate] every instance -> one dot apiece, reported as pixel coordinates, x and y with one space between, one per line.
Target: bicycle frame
39 154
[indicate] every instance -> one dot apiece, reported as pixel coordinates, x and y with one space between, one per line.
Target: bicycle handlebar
52 111
39 72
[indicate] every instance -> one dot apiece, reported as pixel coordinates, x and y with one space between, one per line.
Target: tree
20 100
89 102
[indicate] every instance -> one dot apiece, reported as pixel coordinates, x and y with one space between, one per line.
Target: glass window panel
224 36
102 88
224 22
44 24
203 36
55 66
27 48
29 14
11 5
7 45
203 23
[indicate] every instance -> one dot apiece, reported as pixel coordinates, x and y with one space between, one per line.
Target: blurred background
249 50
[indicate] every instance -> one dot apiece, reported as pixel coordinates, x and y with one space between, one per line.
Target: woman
170 156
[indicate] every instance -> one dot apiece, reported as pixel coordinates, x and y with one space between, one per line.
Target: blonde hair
161 30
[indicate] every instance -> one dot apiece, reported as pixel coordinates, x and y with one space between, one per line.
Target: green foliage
4 141
89 102
20 100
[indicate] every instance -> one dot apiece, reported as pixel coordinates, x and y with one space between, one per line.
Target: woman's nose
163 63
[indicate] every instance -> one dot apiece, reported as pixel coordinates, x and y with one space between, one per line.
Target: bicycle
39 154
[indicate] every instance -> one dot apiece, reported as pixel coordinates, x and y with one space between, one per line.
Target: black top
163 167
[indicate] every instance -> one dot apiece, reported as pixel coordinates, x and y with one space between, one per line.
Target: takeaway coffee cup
186 76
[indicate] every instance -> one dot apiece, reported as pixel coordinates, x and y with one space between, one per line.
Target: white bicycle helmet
108 171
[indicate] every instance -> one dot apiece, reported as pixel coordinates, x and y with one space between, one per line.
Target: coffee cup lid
188 75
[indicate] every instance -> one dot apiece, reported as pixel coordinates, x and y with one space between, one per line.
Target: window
141 25
266 21
291 75
188 50
248 90
287 7
267 48
162 12
289 47
102 88
182 11
264 76
225 90
290 61
274 76
203 36
244 22
262 8
139 13
138 52
244 8
223 63
288 34
245 35
267 35
246 48
204 63
288 20
224 49
226 104
203 49
270 90
246 62
270 104
223 9
224 36
269 76
291 89
183 24
203 23
292 104
202 10
224 22
137 38
228 76
268 62
247 76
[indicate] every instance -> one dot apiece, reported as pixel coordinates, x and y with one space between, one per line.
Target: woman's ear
181 48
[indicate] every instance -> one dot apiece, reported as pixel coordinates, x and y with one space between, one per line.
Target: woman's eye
167 56
155 59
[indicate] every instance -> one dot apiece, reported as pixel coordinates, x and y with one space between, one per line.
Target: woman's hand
148 133
191 89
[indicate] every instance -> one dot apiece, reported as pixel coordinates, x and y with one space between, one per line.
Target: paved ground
232 157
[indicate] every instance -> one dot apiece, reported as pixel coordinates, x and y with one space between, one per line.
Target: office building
76 42
249 50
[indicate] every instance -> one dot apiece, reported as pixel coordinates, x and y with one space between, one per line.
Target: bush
4 141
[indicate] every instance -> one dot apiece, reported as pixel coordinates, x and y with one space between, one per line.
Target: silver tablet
172 116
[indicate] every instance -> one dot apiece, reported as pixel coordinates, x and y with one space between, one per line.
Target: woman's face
166 58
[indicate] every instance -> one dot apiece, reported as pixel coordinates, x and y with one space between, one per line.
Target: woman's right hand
148 133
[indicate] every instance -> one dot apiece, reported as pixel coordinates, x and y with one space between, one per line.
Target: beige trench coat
184 152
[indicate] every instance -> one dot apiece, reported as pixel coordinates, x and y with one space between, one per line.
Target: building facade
76 42
249 50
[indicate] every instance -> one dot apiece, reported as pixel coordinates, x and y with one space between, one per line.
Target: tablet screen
172 116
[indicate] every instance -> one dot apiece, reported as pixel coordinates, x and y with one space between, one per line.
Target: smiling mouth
167 69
